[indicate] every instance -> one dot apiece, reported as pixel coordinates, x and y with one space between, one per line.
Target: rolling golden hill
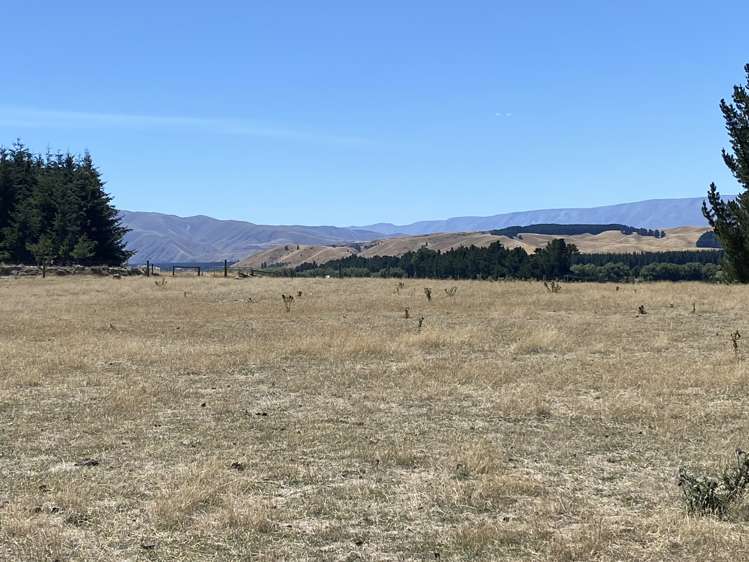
612 241
294 255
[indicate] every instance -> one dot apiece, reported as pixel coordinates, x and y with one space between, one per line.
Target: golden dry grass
441 241
515 425
613 241
293 255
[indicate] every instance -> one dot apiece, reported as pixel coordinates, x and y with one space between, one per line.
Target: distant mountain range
653 213
170 239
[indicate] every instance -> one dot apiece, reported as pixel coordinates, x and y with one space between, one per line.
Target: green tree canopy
730 219
53 208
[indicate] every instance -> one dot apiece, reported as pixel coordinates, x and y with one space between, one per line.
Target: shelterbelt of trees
558 260
573 229
53 209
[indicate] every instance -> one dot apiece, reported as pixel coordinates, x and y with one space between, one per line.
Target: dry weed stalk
161 283
553 287
735 337
428 293
451 291
288 300
406 313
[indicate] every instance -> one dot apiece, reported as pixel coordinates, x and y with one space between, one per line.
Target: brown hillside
441 242
613 241
290 256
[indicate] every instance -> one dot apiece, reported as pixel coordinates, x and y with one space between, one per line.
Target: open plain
201 420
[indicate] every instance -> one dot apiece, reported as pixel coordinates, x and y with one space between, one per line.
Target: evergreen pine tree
7 200
22 173
55 209
101 222
730 219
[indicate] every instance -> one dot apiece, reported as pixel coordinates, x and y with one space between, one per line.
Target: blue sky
352 112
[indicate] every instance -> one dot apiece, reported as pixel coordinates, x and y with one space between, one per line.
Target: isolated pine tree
730 219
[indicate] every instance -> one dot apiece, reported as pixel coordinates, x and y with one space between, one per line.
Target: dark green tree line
557 260
492 262
555 229
54 209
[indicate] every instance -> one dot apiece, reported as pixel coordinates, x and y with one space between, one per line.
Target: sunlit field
201 420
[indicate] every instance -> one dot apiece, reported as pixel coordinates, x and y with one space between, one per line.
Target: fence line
219 270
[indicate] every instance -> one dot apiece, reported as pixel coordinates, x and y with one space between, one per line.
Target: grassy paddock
515 424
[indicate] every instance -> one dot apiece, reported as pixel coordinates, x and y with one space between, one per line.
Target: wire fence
209 270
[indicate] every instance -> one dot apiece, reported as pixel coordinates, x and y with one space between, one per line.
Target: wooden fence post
148 268
226 268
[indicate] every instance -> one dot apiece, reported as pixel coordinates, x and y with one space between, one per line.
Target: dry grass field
202 421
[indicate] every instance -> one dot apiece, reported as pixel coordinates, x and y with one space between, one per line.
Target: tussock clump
545 339
240 514
400 456
451 291
192 492
473 541
477 459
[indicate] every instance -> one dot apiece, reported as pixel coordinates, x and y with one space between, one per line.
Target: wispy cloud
42 118
500 114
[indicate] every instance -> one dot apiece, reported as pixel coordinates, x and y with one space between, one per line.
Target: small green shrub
713 496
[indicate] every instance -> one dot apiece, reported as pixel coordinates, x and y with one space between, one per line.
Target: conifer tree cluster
472 262
53 209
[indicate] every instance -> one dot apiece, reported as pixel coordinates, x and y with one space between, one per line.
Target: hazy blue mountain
654 213
168 238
